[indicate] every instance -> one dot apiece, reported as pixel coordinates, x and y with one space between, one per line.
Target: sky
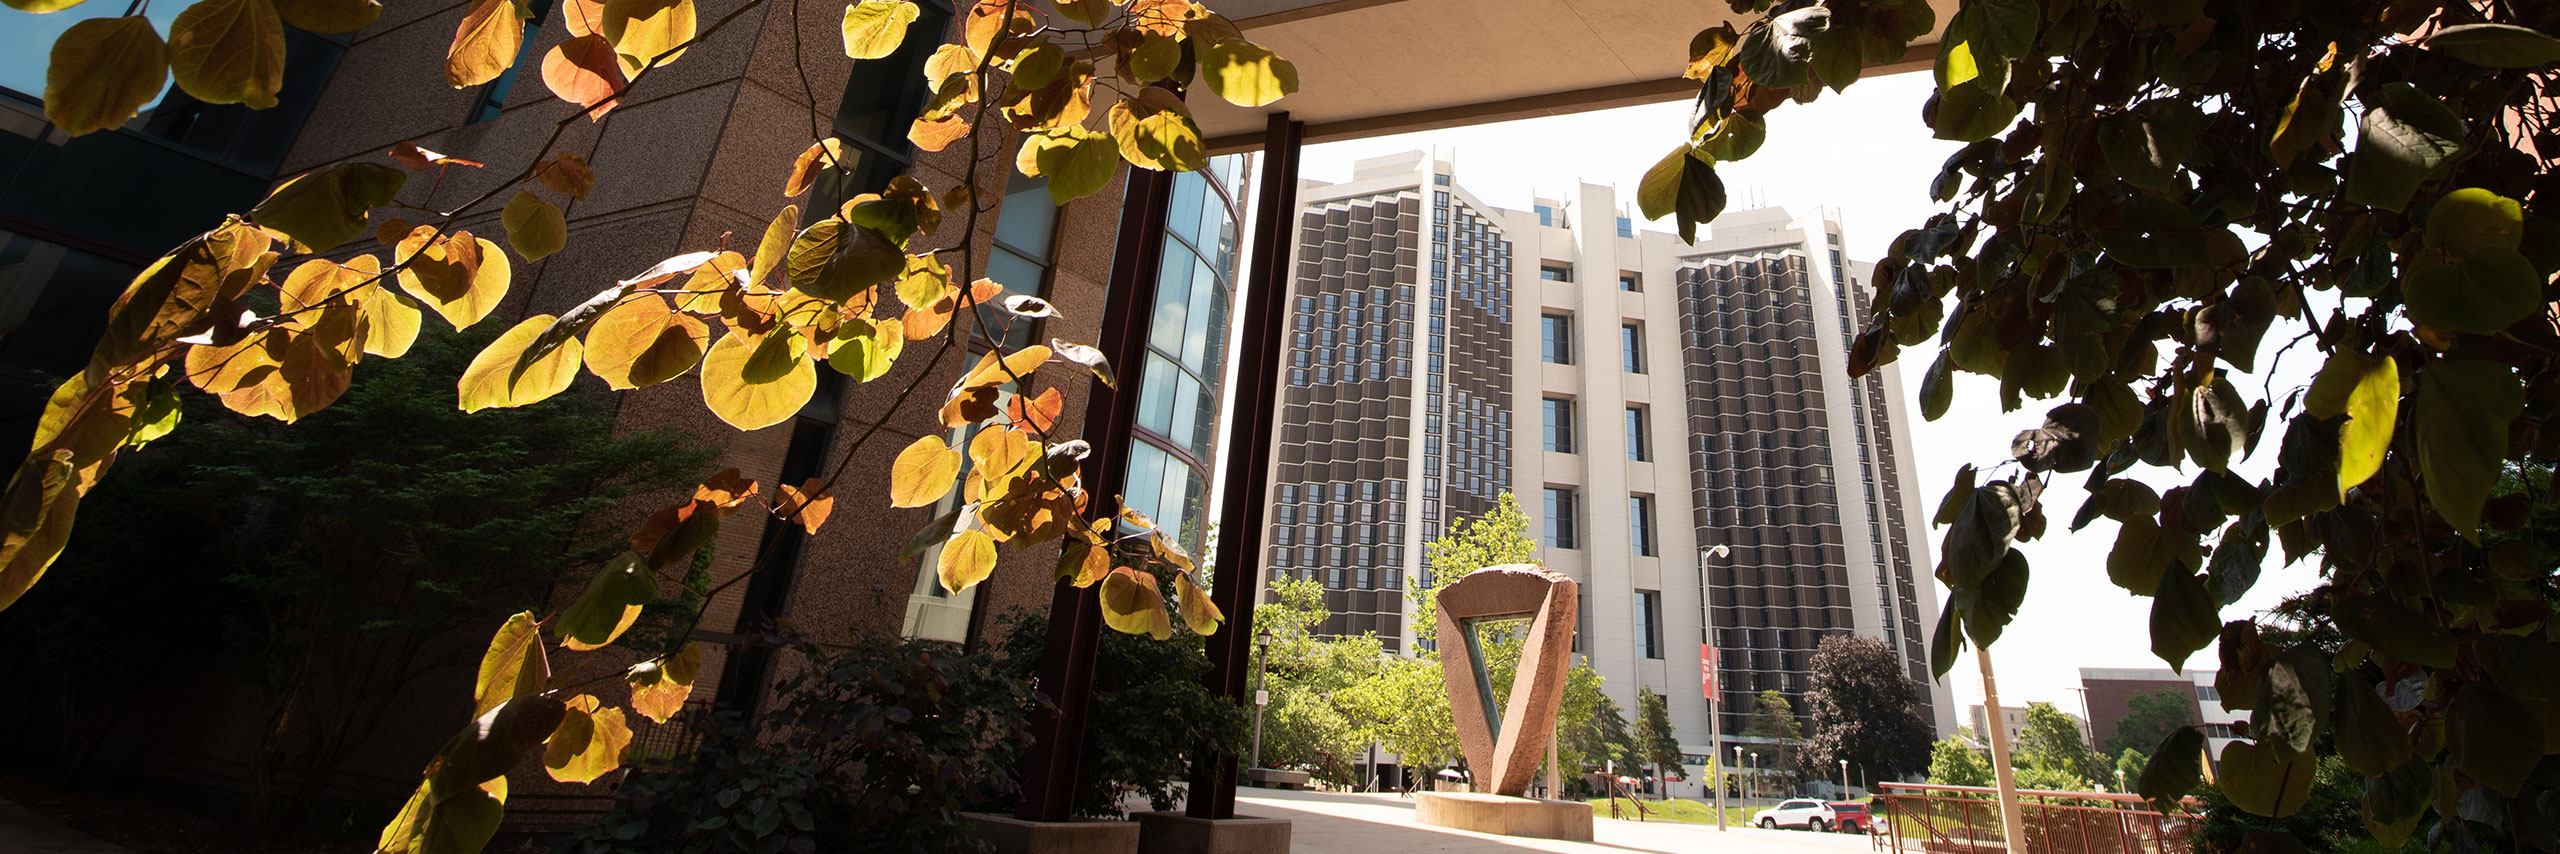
1866 154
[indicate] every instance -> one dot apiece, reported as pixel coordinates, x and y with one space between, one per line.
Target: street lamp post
1713 671
1738 777
1260 697
1753 778
1844 779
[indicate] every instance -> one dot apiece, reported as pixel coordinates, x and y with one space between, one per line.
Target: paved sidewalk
1322 823
25 831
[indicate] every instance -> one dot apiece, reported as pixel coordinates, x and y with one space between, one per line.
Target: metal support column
1250 433
1110 419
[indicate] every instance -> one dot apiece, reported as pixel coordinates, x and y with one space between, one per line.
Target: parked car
1851 817
1806 813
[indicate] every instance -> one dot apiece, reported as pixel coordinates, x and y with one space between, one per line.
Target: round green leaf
103 72
2462 411
535 227
323 209
2496 45
2260 784
2406 135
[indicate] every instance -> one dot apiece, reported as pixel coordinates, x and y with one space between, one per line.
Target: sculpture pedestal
1505 816
1175 833
1009 835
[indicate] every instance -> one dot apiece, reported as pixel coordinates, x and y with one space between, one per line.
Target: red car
1852 817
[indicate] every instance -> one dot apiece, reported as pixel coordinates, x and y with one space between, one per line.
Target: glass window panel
1029 220
1183 216
1173 298
1155 409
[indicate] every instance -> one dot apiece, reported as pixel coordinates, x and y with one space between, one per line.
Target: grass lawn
1677 809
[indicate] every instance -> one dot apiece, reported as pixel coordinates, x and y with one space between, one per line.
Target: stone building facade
1645 399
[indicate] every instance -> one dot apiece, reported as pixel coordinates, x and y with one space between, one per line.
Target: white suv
1806 813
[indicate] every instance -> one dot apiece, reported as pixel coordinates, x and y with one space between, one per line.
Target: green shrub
1149 713
878 747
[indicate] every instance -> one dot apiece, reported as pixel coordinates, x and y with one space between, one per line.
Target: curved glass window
1169 467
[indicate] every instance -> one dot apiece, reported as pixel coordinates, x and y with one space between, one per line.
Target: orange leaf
821 155
417 159
567 173
585 71
1037 414
583 17
658 688
726 490
798 504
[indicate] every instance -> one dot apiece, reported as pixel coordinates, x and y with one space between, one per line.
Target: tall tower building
1668 398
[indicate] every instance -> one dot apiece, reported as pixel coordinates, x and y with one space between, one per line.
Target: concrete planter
1175 833
1505 816
1011 835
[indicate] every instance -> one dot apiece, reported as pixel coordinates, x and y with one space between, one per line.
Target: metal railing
1932 819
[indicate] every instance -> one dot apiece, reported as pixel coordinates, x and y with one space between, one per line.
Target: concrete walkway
25 830
1323 823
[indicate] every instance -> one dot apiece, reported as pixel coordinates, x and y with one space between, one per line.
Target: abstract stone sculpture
1504 746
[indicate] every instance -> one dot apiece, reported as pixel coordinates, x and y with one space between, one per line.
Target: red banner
1707 671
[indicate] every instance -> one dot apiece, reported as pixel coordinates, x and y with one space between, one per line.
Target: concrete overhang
1376 67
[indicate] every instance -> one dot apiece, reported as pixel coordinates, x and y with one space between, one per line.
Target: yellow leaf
590 743
643 29
513 666
642 342
865 350
503 376
35 521
1133 604
923 473
391 318
968 558
658 688
610 604
1016 365
534 227
1247 74
1198 612
924 282
319 280
873 28
999 451
751 392
485 44
776 244
41 6
229 52
462 277
1155 132
1083 562
104 70
2373 412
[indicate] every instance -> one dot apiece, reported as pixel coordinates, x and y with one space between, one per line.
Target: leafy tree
1953 763
1601 738
1315 684
335 565
2052 741
1864 709
2129 766
2182 187
1655 743
2148 718
1409 704
1774 719
1497 537
851 285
